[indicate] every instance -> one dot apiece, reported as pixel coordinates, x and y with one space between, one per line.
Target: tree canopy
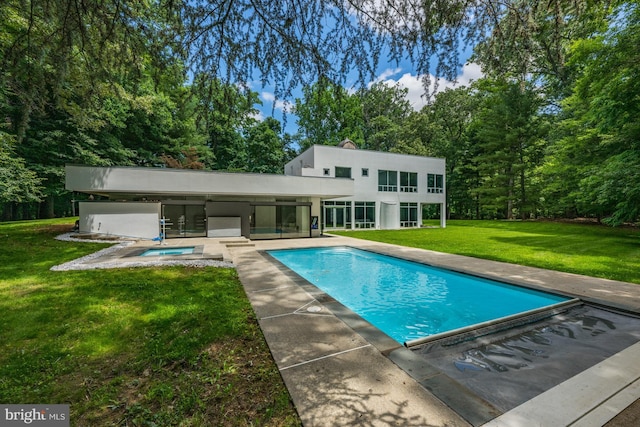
550 130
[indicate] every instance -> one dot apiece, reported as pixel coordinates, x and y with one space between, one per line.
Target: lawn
181 346
589 249
138 346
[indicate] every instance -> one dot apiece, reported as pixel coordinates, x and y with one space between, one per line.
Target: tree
531 40
54 50
452 113
188 159
509 135
69 77
598 155
384 109
224 111
295 43
266 150
104 82
18 184
416 135
328 114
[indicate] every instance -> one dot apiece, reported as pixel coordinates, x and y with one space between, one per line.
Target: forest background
552 129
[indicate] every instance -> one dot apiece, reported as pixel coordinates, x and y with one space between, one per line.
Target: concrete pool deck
339 371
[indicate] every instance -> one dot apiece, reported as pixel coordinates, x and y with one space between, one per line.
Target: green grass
139 346
592 250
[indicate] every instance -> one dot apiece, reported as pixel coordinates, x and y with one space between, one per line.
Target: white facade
323 188
200 203
124 219
389 189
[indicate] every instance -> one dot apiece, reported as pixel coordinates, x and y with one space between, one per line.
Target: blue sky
402 74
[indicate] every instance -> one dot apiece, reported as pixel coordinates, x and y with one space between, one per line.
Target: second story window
435 183
409 182
365 171
326 172
343 172
387 180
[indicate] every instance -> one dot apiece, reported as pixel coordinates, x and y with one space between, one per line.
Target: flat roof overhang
110 181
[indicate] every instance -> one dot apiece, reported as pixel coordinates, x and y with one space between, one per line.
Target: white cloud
415 87
278 104
259 116
385 75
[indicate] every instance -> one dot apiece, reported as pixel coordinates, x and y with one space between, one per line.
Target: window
408 214
337 215
387 180
280 220
365 214
365 172
326 171
409 182
434 183
343 172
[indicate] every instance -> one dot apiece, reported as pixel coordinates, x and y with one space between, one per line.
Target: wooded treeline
551 130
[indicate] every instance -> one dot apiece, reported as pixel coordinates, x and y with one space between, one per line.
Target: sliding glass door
280 220
184 220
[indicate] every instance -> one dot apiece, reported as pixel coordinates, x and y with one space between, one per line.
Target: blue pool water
408 300
168 251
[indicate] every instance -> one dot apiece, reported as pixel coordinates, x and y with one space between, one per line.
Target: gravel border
84 263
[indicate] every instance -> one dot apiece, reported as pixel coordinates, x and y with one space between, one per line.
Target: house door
184 220
337 215
280 220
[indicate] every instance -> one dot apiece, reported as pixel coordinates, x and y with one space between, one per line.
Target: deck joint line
324 357
299 311
274 289
275 316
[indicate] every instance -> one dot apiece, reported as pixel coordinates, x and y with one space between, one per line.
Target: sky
402 75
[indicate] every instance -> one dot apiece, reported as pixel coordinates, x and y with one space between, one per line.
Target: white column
443 215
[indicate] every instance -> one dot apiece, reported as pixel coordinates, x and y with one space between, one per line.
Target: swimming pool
168 251
408 300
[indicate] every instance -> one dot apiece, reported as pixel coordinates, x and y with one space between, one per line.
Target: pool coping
274 292
136 253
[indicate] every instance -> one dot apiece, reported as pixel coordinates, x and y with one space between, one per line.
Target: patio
341 371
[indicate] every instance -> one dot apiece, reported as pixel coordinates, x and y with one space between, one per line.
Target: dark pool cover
511 367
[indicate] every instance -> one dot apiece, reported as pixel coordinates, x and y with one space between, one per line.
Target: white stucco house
323 188
389 189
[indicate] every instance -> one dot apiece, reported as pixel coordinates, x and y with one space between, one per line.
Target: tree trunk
510 198
47 208
7 211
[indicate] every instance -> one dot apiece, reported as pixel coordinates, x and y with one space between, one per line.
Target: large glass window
182 220
342 172
387 180
408 214
435 183
409 182
279 221
365 215
337 215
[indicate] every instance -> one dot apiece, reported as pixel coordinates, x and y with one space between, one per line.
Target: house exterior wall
240 209
302 165
181 182
130 219
139 196
322 161
218 194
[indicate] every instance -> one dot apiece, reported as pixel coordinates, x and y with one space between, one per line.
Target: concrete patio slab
314 337
339 371
362 388
279 301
